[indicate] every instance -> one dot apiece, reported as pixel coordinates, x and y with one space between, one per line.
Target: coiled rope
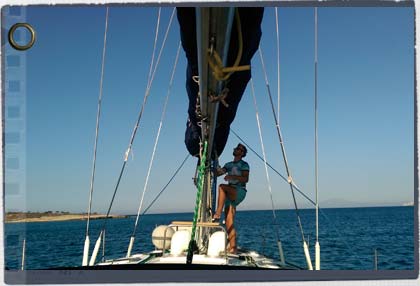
215 62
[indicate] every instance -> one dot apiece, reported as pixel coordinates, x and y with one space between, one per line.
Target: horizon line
242 210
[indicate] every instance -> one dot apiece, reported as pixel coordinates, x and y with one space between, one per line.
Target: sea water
348 237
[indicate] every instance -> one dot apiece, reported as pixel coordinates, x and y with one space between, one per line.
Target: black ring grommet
12 40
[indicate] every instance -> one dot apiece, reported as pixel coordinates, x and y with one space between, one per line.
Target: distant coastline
49 216
13 217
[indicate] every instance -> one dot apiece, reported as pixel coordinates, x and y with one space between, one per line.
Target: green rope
201 169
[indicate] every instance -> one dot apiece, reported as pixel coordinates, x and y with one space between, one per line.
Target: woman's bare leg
230 219
224 191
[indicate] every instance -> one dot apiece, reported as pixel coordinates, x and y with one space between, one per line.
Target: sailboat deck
243 259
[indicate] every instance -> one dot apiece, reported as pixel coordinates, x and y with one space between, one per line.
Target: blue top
235 169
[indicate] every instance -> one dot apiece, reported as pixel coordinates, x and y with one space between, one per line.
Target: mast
213 36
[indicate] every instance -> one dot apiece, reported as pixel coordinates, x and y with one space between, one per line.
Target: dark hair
244 148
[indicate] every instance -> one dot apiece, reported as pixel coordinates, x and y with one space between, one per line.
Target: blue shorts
240 196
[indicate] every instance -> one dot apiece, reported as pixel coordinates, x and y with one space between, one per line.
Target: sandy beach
24 217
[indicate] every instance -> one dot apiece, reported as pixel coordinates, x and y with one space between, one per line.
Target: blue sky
366 109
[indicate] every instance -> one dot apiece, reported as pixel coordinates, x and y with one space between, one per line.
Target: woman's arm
243 178
220 171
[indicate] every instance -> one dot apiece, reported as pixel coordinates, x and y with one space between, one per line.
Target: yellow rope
215 62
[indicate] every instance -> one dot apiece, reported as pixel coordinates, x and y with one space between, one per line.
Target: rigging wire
154 148
290 179
154 48
167 184
98 115
282 145
150 80
271 167
316 118
266 170
127 153
278 64
317 246
147 93
349 248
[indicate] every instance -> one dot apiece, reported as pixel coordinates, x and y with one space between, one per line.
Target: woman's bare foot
216 217
233 250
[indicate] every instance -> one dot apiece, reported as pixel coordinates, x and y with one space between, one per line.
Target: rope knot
221 97
220 72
